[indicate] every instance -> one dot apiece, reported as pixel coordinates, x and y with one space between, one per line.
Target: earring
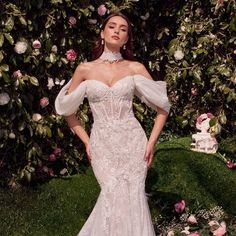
102 42
124 47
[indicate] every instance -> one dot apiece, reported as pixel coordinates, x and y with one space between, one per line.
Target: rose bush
190 44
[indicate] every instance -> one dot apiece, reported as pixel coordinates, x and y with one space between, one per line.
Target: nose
117 30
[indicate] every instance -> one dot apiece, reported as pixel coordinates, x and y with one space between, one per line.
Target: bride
118 149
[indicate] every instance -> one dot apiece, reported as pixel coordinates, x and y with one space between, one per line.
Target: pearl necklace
111 57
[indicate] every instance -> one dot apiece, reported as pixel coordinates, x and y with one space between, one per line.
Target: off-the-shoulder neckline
118 81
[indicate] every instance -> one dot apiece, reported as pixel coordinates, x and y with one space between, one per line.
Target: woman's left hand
149 154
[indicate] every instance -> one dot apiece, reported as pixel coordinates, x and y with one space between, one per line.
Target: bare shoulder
139 68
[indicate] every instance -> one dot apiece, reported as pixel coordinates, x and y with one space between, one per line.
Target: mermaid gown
117 145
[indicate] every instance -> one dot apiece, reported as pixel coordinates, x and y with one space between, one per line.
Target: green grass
61 206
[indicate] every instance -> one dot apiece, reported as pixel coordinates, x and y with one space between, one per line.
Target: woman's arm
156 131
72 120
160 119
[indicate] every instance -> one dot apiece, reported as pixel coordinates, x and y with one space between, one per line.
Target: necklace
111 57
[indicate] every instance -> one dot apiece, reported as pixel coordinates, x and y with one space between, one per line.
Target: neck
111 57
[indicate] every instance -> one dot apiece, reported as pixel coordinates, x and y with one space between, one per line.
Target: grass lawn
60 207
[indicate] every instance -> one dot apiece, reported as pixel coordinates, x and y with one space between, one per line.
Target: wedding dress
117 144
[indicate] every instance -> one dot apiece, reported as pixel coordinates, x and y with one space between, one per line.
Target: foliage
190 44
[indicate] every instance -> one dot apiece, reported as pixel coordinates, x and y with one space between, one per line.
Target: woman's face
115 32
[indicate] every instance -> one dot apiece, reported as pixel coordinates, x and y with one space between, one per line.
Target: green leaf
59 132
34 81
1 56
1 40
21 126
48 131
9 24
23 21
4 67
9 38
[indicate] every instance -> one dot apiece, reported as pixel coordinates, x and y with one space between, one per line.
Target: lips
115 37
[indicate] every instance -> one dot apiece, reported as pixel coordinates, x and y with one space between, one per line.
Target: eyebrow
113 23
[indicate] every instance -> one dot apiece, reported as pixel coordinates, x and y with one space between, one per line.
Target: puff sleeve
67 104
151 92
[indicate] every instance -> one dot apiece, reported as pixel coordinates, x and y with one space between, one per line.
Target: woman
117 148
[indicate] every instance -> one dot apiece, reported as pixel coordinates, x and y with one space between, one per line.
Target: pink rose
102 10
194 91
192 219
194 234
221 230
71 55
17 74
44 102
72 20
199 120
36 44
52 157
57 152
179 206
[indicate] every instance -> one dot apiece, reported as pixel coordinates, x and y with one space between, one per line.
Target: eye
111 27
124 30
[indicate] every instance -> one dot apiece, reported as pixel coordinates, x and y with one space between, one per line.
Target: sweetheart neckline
110 87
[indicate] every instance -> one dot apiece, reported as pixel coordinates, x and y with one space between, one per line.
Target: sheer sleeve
151 92
67 104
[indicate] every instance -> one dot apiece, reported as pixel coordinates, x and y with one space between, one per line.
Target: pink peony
72 20
44 102
17 74
52 157
71 55
36 44
179 206
102 10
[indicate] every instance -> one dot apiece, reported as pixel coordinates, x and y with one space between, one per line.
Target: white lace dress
117 144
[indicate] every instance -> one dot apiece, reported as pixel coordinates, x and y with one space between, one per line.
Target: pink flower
194 91
52 157
234 80
72 20
44 102
210 115
230 164
63 171
50 172
192 219
194 234
36 44
221 230
45 169
179 206
102 10
71 55
199 120
57 152
17 74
